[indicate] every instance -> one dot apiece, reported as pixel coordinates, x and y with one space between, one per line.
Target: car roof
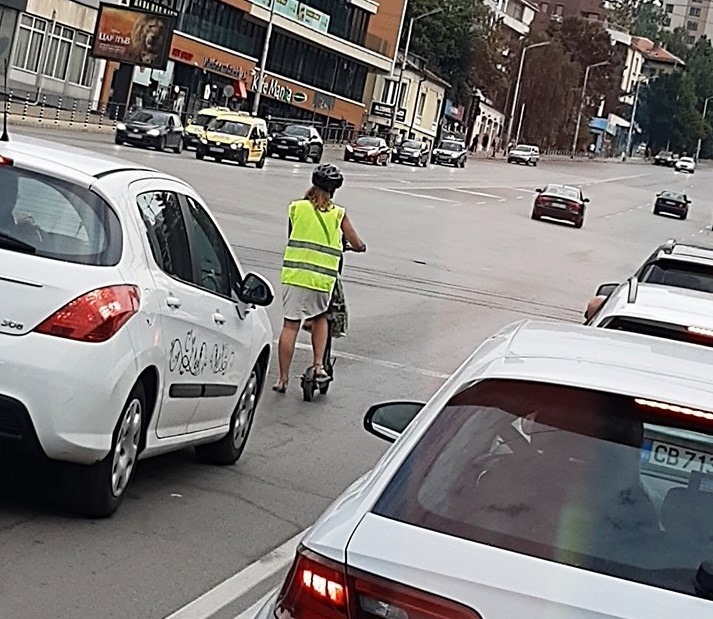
673 305
669 192
597 359
82 166
685 252
561 186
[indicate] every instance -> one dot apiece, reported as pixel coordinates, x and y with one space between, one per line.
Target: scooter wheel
324 388
308 389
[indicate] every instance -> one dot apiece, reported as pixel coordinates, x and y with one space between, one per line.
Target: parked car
450 152
560 202
685 164
672 202
116 342
153 128
235 136
412 151
665 158
368 149
524 153
562 471
299 141
196 126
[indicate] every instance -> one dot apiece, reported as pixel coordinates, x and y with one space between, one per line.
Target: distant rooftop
655 51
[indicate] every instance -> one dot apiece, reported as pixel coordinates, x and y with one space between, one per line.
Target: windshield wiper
10 242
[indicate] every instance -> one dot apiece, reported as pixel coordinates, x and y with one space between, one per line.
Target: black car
672 202
299 141
665 158
450 152
560 202
155 128
411 151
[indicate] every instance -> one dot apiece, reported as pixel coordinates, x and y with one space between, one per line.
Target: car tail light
573 206
372 596
674 408
318 588
95 316
542 201
6 161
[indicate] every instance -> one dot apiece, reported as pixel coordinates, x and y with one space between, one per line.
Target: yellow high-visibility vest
315 247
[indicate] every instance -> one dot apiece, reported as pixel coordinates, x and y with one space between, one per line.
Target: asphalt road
453 255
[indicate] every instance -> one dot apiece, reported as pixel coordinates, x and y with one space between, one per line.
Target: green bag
337 312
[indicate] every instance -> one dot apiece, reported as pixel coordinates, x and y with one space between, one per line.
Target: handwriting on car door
193 357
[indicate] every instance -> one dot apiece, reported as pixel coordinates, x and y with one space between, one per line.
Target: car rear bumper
60 398
670 208
558 213
446 160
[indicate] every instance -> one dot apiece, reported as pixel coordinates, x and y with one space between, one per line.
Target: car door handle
173 302
218 318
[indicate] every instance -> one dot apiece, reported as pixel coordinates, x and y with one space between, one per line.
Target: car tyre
684 215
261 164
242 158
161 145
656 211
228 449
346 157
318 157
199 154
97 490
535 214
179 147
580 222
118 141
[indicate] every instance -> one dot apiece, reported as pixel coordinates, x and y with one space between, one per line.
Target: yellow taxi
195 126
235 136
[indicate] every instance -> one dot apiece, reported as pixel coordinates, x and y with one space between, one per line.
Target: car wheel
97 490
261 164
580 222
179 147
535 214
318 157
684 215
242 158
199 153
161 145
656 211
462 163
118 141
346 157
228 449
304 156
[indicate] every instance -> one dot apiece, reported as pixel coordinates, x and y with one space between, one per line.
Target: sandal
279 387
320 375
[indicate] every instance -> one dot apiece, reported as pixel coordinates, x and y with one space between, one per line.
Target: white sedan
127 326
561 472
686 164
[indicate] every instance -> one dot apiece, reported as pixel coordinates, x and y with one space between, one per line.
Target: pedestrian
310 267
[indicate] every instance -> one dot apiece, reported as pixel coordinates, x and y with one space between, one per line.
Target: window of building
30 35
669 8
694 11
60 44
544 7
559 9
690 39
692 25
421 104
389 91
403 92
81 63
346 20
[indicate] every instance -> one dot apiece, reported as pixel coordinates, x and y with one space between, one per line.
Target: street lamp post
405 60
632 122
517 88
581 103
263 59
700 140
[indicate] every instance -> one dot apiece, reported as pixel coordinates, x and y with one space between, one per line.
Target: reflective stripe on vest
313 251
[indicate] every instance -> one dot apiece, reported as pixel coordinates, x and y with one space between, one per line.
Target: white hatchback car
686 164
127 326
560 472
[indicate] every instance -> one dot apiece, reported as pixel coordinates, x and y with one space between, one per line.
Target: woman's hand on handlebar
358 250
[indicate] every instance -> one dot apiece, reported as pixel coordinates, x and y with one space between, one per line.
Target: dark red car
560 202
368 149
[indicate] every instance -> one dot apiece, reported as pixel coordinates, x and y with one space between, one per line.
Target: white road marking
502 200
416 195
380 362
474 193
252 611
479 203
519 198
241 583
618 178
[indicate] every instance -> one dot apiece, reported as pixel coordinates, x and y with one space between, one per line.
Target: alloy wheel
245 410
127 447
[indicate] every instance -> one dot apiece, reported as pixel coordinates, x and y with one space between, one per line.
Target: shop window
81 63
30 36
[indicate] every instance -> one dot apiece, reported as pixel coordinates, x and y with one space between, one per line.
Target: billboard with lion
134 37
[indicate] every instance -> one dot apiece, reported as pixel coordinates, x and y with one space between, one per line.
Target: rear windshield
565 192
47 217
679 274
669 195
606 483
666 330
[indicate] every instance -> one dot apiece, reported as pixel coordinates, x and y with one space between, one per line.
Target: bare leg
319 341
285 351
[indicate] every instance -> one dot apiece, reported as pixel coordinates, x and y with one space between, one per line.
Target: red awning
241 90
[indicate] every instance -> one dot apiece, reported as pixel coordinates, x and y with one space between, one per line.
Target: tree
700 69
643 18
668 112
675 42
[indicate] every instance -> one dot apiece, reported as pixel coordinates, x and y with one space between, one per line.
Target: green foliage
642 18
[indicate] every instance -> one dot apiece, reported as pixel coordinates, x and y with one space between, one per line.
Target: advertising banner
134 37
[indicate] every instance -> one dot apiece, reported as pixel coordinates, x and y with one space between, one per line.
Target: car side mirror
255 290
538 190
388 420
585 200
606 290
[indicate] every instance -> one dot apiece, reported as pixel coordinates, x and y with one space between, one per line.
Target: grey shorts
304 303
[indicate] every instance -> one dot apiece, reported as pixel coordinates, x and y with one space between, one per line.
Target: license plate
281 147
359 155
678 458
215 149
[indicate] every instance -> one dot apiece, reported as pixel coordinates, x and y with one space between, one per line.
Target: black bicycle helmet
327 176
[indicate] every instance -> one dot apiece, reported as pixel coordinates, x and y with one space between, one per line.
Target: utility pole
581 103
513 109
519 124
263 60
700 140
632 122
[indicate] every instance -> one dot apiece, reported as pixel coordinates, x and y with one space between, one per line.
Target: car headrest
687 512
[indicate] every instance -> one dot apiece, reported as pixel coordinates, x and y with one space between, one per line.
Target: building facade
695 17
557 10
9 15
488 129
657 59
320 56
420 101
50 54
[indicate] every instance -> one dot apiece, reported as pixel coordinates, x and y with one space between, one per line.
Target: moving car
196 126
524 153
561 471
560 202
672 202
686 164
665 158
235 136
412 151
368 149
450 152
153 128
299 141
128 327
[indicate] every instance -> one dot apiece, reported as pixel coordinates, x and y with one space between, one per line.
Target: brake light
315 588
95 316
6 161
701 331
674 408
542 201
373 596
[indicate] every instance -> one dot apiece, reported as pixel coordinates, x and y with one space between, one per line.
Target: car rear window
666 330
607 483
55 219
565 192
679 274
